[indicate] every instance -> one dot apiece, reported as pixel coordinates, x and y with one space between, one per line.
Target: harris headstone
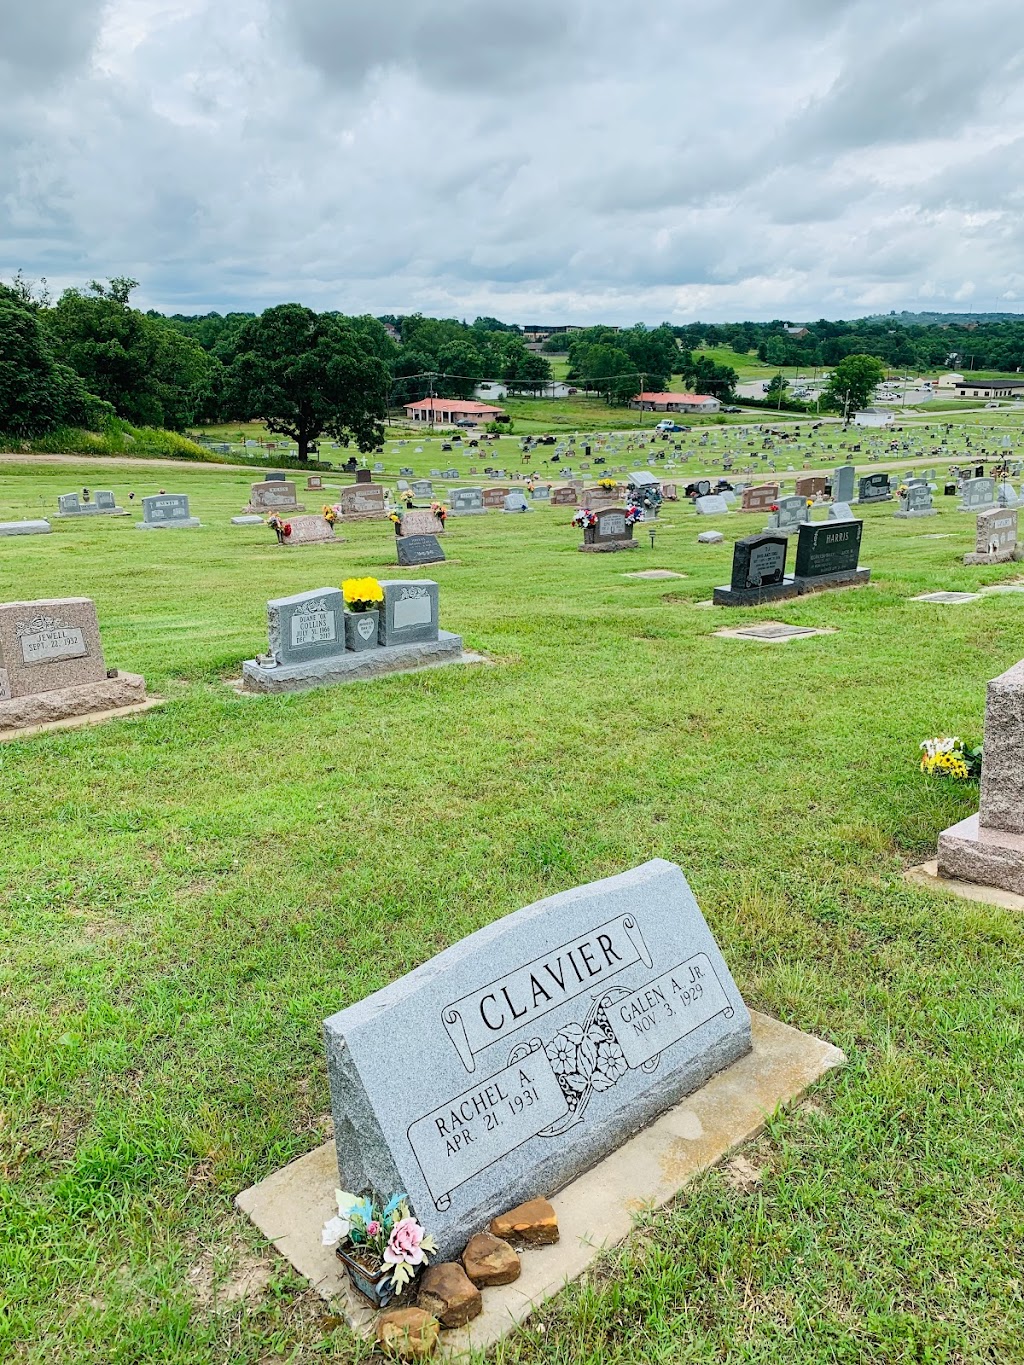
827 556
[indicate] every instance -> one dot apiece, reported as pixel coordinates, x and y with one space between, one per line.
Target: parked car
732 408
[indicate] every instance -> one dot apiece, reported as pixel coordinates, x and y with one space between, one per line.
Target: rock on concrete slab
407 1332
449 1294
534 1223
489 1260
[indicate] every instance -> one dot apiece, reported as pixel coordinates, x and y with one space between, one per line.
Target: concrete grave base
726 596
279 509
928 874
65 703
186 522
247 521
348 667
849 578
999 557
772 632
92 511
594 1212
24 528
972 852
610 545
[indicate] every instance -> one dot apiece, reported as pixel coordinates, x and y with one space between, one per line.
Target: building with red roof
675 402
448 411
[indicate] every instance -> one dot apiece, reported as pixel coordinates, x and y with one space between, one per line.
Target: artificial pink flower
372 1229
404 1243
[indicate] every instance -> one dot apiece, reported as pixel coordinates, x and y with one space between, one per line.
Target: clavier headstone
421 521
523 1054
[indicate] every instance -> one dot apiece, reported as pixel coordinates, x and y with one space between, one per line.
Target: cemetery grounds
185 895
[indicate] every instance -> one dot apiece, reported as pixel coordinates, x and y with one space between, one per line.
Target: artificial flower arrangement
330 514
951 757
382 1245
407 496
362 594
609 484
584 517
774 507
634 514
395 516
282 528
439 511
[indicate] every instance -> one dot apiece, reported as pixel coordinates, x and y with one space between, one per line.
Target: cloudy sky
539 160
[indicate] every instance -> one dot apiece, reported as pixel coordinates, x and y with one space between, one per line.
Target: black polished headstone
829 547
758 562
419 550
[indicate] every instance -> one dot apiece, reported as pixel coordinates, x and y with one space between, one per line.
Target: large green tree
307 375
144 367
37 393
852 383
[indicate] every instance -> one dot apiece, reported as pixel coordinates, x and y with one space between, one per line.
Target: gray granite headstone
308 626
711 505
792 513
514 1060
843 479
840 511
410 611
977 495
422 488
165 509
466 502
516 502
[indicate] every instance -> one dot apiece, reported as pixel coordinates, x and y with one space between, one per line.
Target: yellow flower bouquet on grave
362 594
610 484
951 757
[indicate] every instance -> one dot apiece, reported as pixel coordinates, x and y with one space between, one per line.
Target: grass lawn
187 894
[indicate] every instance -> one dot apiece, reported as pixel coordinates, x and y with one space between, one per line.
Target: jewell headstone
597 497
165 510
414 550
525 1053
758 572
362 502
759 498
52 666
977 495
827 556
997 537
466 502
874 488
916 501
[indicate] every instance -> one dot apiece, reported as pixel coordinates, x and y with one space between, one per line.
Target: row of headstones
316 626
825 551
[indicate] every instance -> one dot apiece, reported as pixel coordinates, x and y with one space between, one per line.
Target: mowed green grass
185 895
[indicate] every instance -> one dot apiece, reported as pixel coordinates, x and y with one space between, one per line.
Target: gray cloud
583 160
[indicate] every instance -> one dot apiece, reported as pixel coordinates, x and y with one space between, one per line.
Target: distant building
796 331
675 402
448 411
949 381
490 392
988 388
873 417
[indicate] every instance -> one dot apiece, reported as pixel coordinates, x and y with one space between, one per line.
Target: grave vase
374 1285
589 535
361 629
